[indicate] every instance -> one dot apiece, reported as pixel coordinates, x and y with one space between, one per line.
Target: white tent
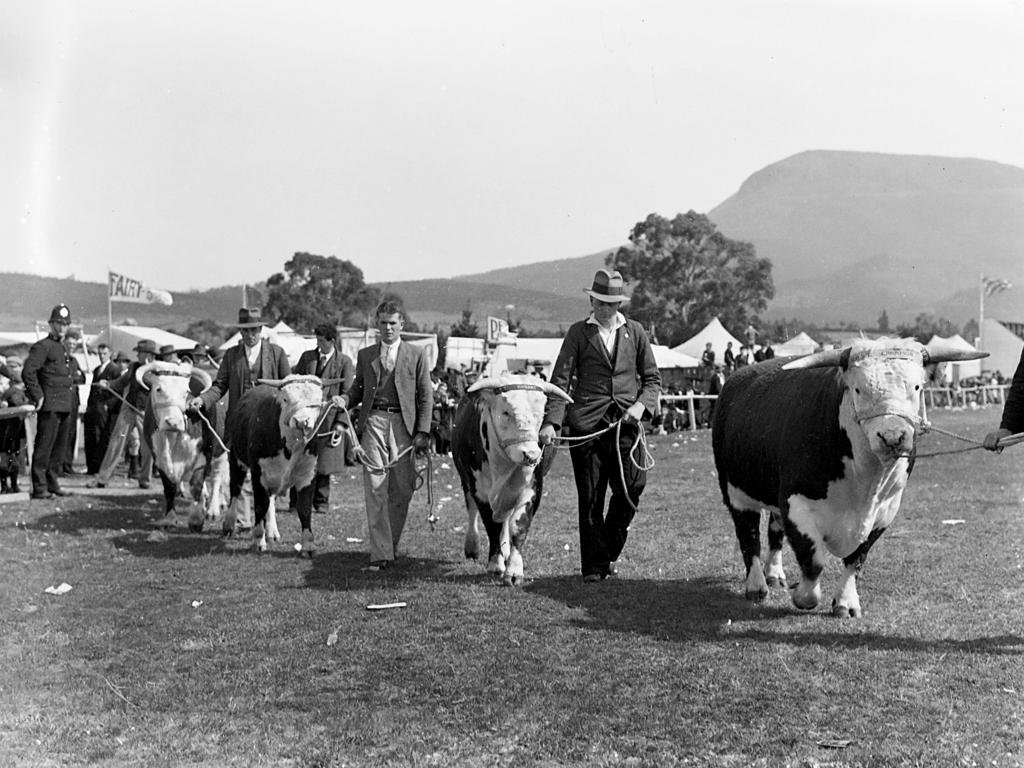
669 358
801 344
124 338
715 333
1003 345
958 371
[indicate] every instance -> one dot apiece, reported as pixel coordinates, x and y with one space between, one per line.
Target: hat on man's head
608 286
122 357
146 345
249 317
167 349
60 314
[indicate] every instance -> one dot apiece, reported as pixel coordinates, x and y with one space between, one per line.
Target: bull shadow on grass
340 570
713 609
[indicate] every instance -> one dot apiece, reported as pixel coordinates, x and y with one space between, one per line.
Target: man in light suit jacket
253 358
617 379
395 398
327 361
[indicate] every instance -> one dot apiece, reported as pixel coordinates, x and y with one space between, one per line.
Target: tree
883 322
208 332
684 273
317 289
927 325
466 328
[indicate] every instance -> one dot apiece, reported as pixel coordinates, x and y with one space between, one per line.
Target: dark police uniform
48 383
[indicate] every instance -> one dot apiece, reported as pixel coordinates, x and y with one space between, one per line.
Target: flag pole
981 313
110 316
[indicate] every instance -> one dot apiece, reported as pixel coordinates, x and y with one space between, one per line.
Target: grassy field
191 650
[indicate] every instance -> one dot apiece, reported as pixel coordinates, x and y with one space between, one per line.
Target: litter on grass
955 521
63 589
384 606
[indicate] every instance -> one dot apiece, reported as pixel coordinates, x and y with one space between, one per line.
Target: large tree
684 272
317 289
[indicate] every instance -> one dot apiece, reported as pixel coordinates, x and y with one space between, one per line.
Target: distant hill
849 234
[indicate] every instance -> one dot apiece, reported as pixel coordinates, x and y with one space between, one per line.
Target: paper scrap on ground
955 521
196 603
62 589
353 540
384 606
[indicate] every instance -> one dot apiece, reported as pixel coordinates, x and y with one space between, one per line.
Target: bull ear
551 389
140 374
937 352
204 378
823 359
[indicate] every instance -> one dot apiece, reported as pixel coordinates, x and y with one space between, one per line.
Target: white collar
617 322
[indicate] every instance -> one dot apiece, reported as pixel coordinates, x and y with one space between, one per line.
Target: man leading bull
617 380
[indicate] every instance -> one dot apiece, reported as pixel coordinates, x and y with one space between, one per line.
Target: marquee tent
958 371
715 333
801 344
124 338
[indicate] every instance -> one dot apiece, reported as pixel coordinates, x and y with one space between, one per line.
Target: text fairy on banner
123 288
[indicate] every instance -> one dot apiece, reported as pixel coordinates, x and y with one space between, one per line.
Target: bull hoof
806 599
756 595
775 581
195 527
841 611
227 533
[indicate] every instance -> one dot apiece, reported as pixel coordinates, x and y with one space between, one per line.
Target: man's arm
1012 421
424 393
647 369
561 375
30 373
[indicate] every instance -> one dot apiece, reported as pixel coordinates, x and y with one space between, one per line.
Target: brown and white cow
826 444
271 437
185 450
501 465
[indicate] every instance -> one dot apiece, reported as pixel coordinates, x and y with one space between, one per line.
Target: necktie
385 358
321 365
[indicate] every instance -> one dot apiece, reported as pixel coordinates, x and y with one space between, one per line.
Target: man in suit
48 383
395 398
127 429
98 408
617 379
72 340
328 362
251 359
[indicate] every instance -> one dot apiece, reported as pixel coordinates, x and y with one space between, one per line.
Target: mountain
852 233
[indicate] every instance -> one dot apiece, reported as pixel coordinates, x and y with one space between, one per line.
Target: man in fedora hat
617 381
127 429
251 359
48 381
167 354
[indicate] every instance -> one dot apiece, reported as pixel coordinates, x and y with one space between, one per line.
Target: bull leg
807 594
497 538
236 479
471 543
517 526
304 500
774 575
270 524
170 518
213 487
747 523
195 515
261 504
846 603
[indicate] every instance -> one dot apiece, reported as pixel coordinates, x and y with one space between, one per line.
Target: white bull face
515 417
884 382
169 391
301 398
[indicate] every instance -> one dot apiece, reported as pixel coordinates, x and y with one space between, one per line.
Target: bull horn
486 383
946 353
557 391
271 382
331 382
140 374
822 359
203 377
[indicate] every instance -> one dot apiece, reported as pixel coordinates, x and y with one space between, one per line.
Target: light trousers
387 492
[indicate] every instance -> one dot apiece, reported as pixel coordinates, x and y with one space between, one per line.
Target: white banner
496 329
123 288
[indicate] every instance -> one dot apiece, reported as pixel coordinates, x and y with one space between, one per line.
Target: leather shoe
592 578
41 496
61 492
95 484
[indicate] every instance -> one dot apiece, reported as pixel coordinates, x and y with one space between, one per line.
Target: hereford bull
271 437
186 452
501 465
826 443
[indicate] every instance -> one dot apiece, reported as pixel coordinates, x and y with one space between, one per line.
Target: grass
192 650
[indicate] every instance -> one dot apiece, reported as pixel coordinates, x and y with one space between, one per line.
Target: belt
387 408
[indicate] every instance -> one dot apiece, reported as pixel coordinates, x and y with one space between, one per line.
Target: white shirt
252 354
324 357
608 334
389 354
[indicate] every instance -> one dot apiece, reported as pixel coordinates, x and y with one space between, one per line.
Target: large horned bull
502 465
271 434
826 443
187 453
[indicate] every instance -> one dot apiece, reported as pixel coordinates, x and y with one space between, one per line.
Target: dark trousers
97 435
595 465
70 441
48 451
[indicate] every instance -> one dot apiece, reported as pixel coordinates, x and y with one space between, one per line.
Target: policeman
48 384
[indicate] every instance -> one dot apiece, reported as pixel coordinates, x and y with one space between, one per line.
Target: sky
201 143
